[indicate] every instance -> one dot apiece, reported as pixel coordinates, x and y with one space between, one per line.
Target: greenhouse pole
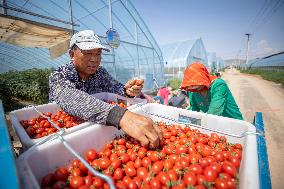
248 34
111 26
3 9
138 58
70 15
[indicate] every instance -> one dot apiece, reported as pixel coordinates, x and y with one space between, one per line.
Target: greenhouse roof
275 60
177 49
184 53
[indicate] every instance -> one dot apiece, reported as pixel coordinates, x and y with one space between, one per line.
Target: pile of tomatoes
39 126
187 158
121 104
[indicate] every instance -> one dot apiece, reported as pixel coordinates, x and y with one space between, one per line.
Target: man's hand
142 129
133 87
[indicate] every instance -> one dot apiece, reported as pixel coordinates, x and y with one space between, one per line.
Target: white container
117 98
36 163
29 113
248 172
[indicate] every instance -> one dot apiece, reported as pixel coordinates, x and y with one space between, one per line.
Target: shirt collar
75 75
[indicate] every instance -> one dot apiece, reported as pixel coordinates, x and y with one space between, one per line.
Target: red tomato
163 178
168 163
124 158
61 174
235 161
157 167
142 172
183 162
146 162
47 180
172 175
209 174
98 182
130 171
91 155
88 180
138 163
132 185
221 184
195 168
76 171
58 185
189 178
155 183
76 181
121 185
216 167
118 174
200 179
229 168
104 162
115 163
238 146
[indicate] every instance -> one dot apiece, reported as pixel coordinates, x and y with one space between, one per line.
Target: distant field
277 77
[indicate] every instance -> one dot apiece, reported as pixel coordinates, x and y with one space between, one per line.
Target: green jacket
219 101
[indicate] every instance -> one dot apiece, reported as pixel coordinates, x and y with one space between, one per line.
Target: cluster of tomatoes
121 104
187 158
39 126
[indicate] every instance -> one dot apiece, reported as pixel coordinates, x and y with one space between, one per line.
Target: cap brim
90 46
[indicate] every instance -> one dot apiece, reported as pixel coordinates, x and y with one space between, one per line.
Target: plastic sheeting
30 34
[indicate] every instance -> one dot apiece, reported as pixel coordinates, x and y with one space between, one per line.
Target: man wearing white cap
72 85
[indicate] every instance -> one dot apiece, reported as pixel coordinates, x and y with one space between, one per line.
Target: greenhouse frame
179 55
273 62
138 54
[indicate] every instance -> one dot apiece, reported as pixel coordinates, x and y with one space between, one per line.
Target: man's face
86 61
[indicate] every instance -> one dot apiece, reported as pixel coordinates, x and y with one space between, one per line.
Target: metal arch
120 20
139 25
34 14
32 4
91 14
66 12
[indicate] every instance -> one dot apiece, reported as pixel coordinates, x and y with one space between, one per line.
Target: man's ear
71 53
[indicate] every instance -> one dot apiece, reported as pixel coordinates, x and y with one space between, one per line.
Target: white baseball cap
87 40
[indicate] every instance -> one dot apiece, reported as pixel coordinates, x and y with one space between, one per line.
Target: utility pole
247 34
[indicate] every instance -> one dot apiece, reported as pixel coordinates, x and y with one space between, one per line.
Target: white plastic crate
45 158
116 98
97 135
29 113
248 172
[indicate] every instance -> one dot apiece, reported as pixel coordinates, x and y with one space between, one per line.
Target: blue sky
221 24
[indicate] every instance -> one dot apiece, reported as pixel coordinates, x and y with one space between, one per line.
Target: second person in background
208 93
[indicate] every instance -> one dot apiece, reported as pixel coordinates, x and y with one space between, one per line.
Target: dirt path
253 94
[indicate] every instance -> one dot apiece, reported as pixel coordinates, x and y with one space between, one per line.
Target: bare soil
254 94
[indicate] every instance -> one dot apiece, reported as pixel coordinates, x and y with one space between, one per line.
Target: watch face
112 38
